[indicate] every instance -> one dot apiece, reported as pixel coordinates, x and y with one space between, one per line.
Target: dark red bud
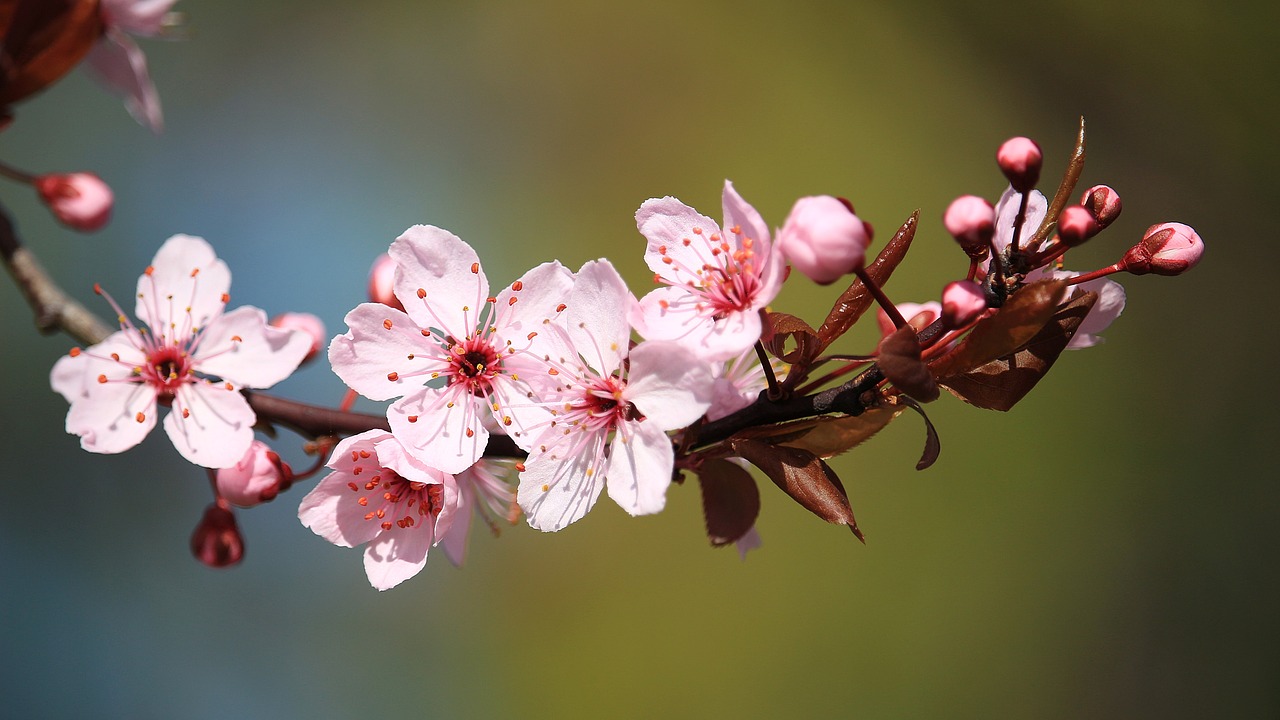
216 541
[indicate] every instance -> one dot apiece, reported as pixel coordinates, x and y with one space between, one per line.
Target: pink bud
216 541
1020 159
81 201
1104 203
917 315
1166 249
257 478
972 222
1076 225
304 323
962 302
823 239
382 282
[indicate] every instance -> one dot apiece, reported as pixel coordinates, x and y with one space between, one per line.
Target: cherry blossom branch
54 309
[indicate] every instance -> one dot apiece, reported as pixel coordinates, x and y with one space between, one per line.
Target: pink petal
370 352
1110 304
1007 210
119 64
542 290
454 542
738 213
554 493
747 543
330 510
671 313
76 377
187 269
667 384
667 223
138 17
439 263
640 464
106 419
596 319
397 555
438 433
263 355
219 429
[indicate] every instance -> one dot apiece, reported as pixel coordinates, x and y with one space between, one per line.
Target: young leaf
1025 313
856 299
932 444
1066 189
730 500
802 475
830 435
899 360
778 327
1001 383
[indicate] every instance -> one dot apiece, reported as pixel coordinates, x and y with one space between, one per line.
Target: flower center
396 502
474 363
167 368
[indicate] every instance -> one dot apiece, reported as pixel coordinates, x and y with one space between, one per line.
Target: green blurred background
1108 549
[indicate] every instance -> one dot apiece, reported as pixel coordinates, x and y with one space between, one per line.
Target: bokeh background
1108 549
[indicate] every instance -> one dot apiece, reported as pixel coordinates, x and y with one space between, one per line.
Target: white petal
556 492
438 433
370 351
670 386
1007 211
397 555
263 355
185 274
668 223
596 320
332 511
219 428
440 264
106 419
542 291
739 213
1110 304
640 463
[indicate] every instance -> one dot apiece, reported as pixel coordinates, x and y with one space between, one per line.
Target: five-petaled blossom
717 282
1111 296
380 494
456 354
605 421
118 61
190 356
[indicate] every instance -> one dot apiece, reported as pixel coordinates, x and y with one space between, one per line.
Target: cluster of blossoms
534 400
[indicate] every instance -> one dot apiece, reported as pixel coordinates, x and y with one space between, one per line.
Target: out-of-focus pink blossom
917 315
971 220
380 494
962 302
483 492
382 282
1020 159
1104 203
305 323
737 384
257 478
118 62
81 201
1166 249
605 421
717 282
191 357
823 239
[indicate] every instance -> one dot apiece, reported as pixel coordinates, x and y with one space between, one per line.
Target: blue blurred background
1108 549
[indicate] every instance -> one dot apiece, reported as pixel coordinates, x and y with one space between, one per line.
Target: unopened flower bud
1076 225
1020 159
972 222
962 302
81 201
306 323
1166 249
216 541
823 239
917 315
382 282
1103 203
257 478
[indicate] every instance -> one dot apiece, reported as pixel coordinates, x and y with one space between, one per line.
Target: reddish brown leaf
1001 383
932 444
730 500
830 435
42 41
779 327
1066 190
802 475
1022 316
856 299
899 360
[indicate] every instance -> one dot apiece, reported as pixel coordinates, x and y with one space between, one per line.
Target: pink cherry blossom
118 62
380 494
306 323
717 282
81 201
605 422
483 492
1111 295
190 356
456 354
